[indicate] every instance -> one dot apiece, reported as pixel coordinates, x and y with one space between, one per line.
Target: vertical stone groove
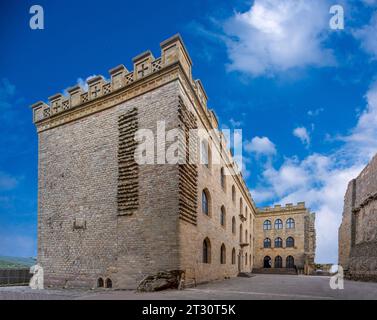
188 172
128 170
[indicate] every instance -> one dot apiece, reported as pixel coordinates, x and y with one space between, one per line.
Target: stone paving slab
259 287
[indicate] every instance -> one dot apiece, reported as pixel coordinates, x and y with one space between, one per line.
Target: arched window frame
233 256
234 225
222 254
233 193
206 202
278 242
290 223
206 153
290 242
278 224
206 251
267 225
223 216
223 178
267 243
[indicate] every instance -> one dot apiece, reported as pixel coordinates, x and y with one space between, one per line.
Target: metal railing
12 277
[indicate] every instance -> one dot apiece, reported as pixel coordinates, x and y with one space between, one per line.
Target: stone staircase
289 271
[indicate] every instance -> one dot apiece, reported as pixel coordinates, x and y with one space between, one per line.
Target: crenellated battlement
280 208
145 64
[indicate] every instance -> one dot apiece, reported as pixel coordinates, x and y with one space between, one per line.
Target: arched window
245 259
241 207
267 225
290 242
250 259
206 208
266 262
246 237
278 262
206 251
290 262
267 243
290 224
278 243
204 153
234 256
234 225
222 254
222 216
240 233
222 177
100 283
233 194
246 212
278 224
109 283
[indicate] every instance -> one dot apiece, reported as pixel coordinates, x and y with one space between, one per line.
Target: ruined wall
358 231
344 235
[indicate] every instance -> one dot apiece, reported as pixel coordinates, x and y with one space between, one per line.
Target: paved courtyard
258 287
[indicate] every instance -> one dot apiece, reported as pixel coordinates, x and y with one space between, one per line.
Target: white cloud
302 134
83 83
260 146
367 36
235 123
363 138
275 36
7 182
370 2
316 112
321 179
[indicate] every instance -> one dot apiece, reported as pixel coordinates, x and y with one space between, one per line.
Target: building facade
358 230
108 218
285 238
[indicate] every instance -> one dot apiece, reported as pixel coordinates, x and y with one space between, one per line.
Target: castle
106 220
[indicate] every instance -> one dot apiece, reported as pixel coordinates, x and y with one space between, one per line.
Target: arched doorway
109 283
266 262
290 263
278 262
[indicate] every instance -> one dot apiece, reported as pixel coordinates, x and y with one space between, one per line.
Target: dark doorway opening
278 262
290 263
100 283
109 283
267 262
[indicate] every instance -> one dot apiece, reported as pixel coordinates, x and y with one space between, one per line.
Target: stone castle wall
192 236
82 234
358 231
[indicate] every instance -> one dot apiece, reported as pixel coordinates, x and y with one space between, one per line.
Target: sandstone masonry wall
358 231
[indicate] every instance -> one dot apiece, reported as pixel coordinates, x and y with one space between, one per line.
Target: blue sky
304 95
